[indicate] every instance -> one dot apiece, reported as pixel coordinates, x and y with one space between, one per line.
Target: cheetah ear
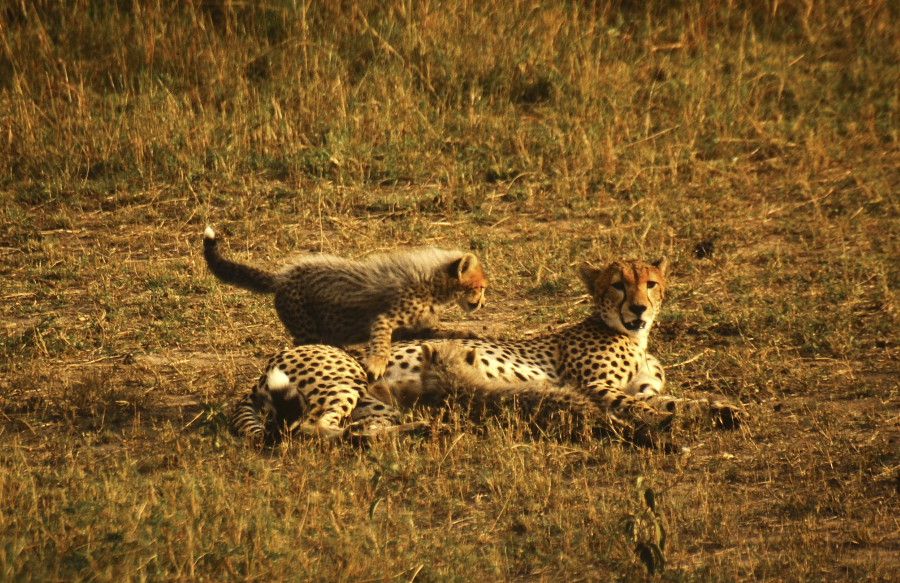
464 265
589 275
662 264
431 354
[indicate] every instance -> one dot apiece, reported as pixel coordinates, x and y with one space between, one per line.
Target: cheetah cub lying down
454 376
313 389
327 299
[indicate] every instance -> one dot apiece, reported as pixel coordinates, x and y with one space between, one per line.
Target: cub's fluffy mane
372 274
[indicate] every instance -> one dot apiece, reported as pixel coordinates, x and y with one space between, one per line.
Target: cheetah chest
612 361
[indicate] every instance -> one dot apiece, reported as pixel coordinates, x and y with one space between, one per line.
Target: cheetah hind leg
373 418
295 317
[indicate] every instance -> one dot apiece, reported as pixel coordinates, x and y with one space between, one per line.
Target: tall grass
462 95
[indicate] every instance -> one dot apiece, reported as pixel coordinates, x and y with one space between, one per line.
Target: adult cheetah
604 357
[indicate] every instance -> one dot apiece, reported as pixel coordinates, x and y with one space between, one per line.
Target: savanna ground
756 147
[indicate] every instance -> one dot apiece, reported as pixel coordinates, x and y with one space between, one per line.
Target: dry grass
757 148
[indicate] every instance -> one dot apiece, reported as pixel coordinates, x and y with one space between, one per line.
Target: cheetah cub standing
327 299
453 375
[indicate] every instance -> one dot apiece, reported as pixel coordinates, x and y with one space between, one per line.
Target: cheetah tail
249 418
542 407
254 419
245 276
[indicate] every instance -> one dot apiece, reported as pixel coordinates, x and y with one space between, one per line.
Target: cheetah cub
452 374
323 298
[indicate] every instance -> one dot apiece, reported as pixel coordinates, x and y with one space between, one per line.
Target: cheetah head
469 282
449 355
446 366
627 294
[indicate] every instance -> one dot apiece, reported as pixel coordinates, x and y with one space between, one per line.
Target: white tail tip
208 233
277 380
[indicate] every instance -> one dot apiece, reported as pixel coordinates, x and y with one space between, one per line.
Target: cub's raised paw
375 365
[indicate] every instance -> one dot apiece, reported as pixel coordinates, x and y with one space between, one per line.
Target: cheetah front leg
403 313
648 386
650 379
687 410
614 400
378 350
408 312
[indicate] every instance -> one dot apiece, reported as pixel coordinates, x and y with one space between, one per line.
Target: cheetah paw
655 419
375 365
370 431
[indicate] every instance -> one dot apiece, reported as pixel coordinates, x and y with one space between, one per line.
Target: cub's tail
245 276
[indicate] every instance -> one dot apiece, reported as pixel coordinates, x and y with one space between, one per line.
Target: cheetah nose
637 309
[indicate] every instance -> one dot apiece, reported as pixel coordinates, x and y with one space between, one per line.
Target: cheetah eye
619 285
651 284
